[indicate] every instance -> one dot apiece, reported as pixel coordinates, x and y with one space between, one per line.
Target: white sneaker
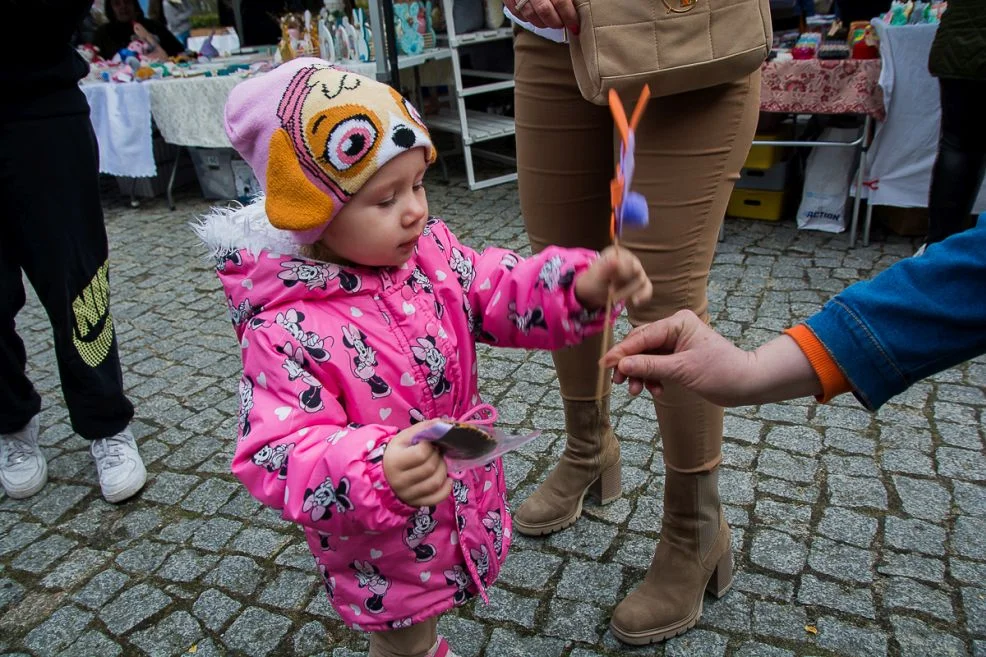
121 472
23 469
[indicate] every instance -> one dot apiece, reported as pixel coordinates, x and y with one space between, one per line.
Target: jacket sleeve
298 453
920 316
524 302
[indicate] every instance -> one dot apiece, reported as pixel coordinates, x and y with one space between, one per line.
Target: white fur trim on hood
243 227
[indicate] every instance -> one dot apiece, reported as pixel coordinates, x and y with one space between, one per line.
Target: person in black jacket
124 16
958 60
52 231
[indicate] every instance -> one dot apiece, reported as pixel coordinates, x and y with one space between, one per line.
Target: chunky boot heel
589 464
722 576
608 487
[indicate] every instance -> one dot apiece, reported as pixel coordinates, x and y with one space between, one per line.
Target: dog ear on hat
293 201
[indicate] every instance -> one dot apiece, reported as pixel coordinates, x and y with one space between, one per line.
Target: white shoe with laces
23 469
121 471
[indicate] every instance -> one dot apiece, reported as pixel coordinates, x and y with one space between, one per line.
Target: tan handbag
672 45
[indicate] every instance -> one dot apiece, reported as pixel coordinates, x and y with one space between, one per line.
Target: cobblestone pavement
855 534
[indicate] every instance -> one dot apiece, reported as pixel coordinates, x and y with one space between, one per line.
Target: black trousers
961 163
51 229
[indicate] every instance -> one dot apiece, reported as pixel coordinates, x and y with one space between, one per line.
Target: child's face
381 224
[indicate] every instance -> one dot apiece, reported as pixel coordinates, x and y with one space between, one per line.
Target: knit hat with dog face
314 135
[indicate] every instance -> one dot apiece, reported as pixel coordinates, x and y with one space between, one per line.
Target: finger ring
520 4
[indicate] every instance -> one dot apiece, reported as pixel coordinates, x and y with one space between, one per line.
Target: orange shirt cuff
834 382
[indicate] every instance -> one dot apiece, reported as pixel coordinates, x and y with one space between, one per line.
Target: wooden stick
607 334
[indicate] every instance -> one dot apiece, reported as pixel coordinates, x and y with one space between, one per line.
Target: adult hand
618 272
416 473
546 13
683 350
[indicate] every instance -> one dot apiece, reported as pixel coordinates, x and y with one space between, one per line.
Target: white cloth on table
224 41
121 119
189 112
904 146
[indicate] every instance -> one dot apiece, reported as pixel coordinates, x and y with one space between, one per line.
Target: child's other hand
615 270
416 473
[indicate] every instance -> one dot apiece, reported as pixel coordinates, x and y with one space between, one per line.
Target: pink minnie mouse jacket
336 361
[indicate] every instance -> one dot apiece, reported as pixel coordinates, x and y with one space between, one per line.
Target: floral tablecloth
816 86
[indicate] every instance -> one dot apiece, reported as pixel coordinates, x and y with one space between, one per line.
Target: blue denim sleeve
919 317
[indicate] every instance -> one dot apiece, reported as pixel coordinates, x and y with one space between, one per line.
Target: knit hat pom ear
293 202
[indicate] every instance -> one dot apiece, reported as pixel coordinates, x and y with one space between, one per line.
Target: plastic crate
764 157
774 179
756 204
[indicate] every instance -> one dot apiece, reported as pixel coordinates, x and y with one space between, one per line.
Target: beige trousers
413 641
690 149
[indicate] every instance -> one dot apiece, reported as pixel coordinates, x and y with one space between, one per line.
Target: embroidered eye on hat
314 135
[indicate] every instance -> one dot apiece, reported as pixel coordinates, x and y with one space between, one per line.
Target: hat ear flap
293 201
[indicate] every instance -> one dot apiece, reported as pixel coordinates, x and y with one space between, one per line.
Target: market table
818 86
905 146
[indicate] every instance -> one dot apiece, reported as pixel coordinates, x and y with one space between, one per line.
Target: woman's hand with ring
546 13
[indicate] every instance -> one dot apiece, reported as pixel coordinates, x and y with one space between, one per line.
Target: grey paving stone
587 538
92 643
175 635
132 607
961 464
138 523
857 492
803 441
969 537
851 466
187 566
779 464
732 612
504 643
259 542
256 632
636 551
237 574
169 487
761 585
974 604
41 555
845 639
101 588
967 572
979 649
779 620
917 639
214 608
970 498
466 637
311 639
737 428
923 499
591 582
214 534
73 569
778 552
696 642
62 628
903 593
575 621
10 592
792 519
299 556
144 557
912 565
841 561
849 441
755 649
788 490
905 534
56 500
848 526
507 606
210 496
291 590
909 461
850 599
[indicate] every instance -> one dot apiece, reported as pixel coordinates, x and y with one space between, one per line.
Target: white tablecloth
905 145
121 119
189 112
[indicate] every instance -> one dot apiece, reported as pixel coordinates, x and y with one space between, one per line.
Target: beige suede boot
590 463
692 557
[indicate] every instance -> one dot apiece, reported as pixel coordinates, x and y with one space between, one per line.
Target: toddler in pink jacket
357 315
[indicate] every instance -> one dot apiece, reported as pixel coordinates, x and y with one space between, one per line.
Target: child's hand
618 270
416 473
